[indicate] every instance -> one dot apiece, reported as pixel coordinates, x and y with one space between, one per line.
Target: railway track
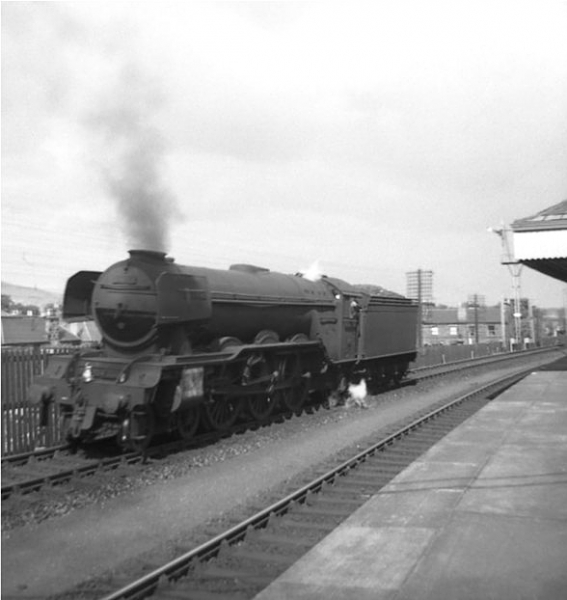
56 467
241 561
33 471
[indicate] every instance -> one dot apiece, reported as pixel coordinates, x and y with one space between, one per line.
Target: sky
377 138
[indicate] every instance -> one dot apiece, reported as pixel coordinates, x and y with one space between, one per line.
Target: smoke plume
131 154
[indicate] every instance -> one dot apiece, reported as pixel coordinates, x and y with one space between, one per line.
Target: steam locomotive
186 346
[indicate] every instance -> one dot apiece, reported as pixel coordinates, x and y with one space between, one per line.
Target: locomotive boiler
184 346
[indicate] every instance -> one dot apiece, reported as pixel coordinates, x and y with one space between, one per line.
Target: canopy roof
540 241
554 217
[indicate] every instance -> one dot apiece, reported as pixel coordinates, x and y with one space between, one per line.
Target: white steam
313 273
357 393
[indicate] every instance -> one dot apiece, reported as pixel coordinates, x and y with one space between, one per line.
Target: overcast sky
377 138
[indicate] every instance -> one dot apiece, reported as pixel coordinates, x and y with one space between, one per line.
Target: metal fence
430 356
20 421
439 355
21 431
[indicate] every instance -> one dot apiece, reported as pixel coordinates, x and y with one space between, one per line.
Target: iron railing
21 431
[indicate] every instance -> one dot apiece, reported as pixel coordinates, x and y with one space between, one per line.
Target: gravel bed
31 509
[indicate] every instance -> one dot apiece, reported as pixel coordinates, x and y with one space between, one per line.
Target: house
23 331
550 322
464 325
20 331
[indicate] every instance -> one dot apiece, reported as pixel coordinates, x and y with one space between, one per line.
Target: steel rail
486 359
180 565
92 467
39 453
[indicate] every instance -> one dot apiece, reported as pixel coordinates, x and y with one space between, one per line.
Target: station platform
482 514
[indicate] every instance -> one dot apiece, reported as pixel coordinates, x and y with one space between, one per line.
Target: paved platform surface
482 515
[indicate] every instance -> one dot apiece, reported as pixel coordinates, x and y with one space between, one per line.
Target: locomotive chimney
153 255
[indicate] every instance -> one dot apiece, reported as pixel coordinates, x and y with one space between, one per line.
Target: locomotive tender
185 345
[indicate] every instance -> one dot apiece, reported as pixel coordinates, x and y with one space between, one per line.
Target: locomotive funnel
155 255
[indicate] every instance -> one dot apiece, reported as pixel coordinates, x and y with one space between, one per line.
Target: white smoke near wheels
357 393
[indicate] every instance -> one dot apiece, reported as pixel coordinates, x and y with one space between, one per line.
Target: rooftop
26 331
554 217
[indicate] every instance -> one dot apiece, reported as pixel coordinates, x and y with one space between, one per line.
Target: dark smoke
131 155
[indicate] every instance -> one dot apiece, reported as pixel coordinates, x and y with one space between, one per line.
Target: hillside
28 295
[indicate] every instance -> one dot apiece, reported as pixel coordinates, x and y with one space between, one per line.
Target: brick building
32 331
463 325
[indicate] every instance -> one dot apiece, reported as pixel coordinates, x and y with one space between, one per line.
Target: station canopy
540 241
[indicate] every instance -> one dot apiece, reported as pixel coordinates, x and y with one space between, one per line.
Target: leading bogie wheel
141 428
187 422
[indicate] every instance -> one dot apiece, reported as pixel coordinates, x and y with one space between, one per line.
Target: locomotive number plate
192 382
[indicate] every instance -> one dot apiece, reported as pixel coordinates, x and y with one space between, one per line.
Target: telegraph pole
475 302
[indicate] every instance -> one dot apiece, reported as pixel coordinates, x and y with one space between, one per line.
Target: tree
6 302
26 309
18 308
